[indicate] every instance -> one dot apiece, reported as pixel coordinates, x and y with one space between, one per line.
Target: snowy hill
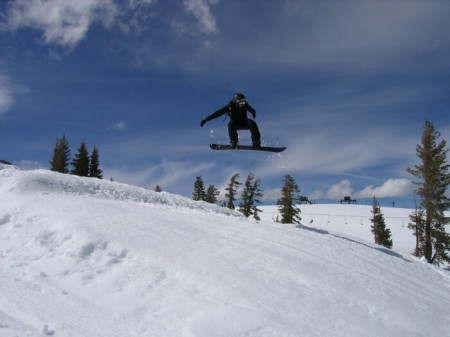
86 257
354 221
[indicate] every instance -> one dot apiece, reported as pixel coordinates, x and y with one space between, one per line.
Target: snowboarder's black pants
250 124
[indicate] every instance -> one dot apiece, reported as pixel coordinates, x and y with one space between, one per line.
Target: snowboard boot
256 145
233 144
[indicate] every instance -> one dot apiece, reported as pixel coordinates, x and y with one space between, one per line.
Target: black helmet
239 98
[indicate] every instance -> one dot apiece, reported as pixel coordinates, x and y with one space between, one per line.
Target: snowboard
247 147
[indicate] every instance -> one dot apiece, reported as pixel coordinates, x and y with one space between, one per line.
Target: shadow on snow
379 248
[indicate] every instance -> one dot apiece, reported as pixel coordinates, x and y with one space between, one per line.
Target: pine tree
199 189
417 225
250 195
289 197
245 207
94 170
81 162
158 188
378 227
211 194
257 193
61 156
231 190
433 180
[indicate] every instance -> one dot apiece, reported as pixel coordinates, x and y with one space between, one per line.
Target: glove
202 122
254 115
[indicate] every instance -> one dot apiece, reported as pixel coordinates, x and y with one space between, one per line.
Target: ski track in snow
86 257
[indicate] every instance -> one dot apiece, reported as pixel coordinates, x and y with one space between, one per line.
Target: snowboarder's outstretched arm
216 114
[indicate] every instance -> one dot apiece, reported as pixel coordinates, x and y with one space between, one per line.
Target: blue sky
345 85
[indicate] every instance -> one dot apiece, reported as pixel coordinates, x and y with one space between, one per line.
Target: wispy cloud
171 175
66 23
139 3
63 23
339 149
295 35
6 95
135 15
118 126
201 11
350 36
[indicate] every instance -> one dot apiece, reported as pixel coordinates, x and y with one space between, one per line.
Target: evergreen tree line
287 203
82 164
250 196
428 221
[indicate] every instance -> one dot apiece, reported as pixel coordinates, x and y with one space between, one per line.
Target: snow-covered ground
354 221
87 257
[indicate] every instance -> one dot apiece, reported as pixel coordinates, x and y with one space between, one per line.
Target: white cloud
133 4
201 11
390 188
6 95
135 15
63 23
118 126
339 191
335 192
271 195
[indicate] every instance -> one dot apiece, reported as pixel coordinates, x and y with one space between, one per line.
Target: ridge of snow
84 257
45 181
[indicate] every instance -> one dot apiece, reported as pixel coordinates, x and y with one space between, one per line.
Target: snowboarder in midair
237 110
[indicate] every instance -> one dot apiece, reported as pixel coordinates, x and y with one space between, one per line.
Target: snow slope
86 257
354 221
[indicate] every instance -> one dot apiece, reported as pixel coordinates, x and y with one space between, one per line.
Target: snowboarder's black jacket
237 114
